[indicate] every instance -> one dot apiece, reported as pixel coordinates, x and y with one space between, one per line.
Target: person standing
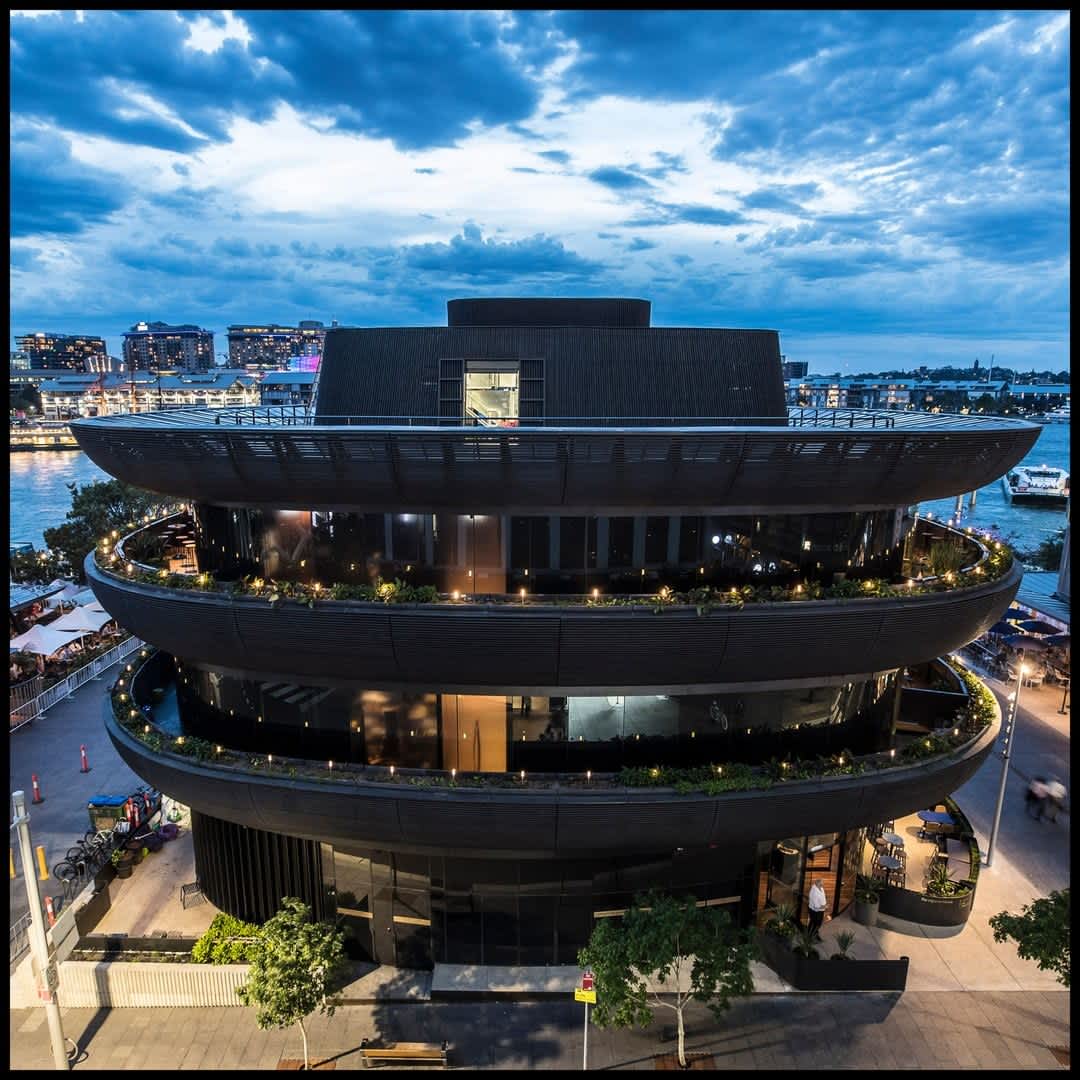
817 902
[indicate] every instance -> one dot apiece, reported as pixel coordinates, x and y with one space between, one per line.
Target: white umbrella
44 640
65 596
85 596
82 618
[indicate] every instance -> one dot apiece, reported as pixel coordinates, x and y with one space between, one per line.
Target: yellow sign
588 996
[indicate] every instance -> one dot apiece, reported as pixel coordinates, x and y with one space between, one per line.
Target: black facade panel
610 372
548 311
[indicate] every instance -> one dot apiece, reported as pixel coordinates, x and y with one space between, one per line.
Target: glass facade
500 554
416 910
507 733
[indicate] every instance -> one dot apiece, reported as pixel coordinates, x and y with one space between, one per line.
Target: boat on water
1044 485
1060 415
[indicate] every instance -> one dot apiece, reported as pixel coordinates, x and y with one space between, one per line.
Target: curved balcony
811 461
546 819
543 648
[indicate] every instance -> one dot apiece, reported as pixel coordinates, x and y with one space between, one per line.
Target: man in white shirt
1055 798
817 902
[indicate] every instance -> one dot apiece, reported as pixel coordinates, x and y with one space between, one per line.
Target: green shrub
227 941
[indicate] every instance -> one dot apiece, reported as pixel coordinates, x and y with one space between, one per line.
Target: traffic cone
85 763
38 797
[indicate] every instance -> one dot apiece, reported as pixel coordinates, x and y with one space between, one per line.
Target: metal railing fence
24 712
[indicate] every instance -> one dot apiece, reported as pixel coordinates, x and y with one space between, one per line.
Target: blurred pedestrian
1036 796
1055 798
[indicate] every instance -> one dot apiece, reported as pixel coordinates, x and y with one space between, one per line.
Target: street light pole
1009 732
39 946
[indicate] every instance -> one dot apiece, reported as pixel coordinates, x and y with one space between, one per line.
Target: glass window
656 537
572 554
621 541
491 392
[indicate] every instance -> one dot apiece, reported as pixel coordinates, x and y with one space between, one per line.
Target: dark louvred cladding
578 358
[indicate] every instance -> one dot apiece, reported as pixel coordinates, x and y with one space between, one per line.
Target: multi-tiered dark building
622 559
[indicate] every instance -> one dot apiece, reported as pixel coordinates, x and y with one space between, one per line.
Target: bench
422 1053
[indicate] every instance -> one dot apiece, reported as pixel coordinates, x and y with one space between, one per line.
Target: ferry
1043 484
44 435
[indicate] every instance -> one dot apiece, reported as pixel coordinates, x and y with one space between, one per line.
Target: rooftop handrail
796 417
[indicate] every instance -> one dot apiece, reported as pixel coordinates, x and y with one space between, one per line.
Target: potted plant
136 850
866 899
123 861
782 924
804 943
844 941
938 882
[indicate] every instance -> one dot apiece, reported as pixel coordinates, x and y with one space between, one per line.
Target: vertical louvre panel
247 872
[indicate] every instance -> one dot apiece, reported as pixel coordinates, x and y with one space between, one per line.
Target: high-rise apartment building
273 346
534 657
157 346
64 352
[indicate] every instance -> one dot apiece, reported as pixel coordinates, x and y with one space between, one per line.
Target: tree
1041 933
36 567
295 963
96 510
667 937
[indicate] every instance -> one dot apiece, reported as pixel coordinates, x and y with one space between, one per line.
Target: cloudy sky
885 189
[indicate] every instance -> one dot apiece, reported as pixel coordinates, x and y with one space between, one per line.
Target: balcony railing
797 417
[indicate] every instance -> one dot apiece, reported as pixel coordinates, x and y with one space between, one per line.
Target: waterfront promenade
970 1003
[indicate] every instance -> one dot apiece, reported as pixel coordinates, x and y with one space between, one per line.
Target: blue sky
884 188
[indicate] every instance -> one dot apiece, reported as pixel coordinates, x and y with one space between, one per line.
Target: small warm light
163 573
956 731
330 765
269 759
456 595
637 736
523 595
1024 669
316 586
798 589
526 573
303 562
408 569
595 593
115 534
701 570
120 682
391 771
470 573
910 583
734 591
146 729
113 557
179 740
453 773
928 744
217 749
841 759
719 770
130 567
123 697
892 752
134 712
128 667
260 719
693 734
588 774
523 774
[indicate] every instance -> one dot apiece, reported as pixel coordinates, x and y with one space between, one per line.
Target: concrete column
602 540
674 525
638 548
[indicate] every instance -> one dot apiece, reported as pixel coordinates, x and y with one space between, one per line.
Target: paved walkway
916 1030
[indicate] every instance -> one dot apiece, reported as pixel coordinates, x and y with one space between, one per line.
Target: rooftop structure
528 603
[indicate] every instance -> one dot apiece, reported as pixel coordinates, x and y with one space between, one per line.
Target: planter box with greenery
803 968
867 900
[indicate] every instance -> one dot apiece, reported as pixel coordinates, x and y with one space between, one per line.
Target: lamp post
46 972
1010 729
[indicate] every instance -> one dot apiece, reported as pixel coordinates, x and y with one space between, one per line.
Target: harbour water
40 499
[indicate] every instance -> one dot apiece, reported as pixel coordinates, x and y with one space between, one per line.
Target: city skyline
886 190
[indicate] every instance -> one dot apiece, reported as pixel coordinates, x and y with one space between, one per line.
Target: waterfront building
20 361
64 352
70 396
631 577
272 346
875 392
287 388
157 346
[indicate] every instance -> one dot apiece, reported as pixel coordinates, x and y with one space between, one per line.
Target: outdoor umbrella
1037 626
82 618
65 596
1026 642
1058 641
1001 628
85 596
44 640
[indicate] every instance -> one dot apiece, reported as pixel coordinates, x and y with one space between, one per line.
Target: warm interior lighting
456 595
595 593
391 770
